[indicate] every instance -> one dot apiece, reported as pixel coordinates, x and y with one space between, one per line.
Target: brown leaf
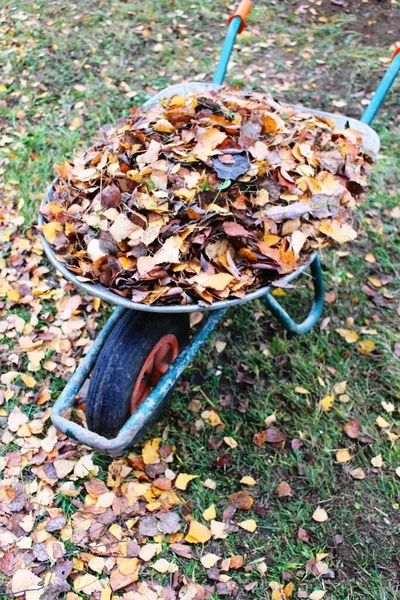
283 490
271 436
110 197
352 429
241 500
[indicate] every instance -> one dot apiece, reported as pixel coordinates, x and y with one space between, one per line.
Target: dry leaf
343 456
182 480
352 429
247 480
209 560
327 403
357 473
198 533
210 513
377 461
249 525
283 490
320 515
348 334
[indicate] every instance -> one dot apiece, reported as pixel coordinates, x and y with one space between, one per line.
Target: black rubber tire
119 363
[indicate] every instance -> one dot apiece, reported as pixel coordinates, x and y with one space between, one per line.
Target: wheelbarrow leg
316 309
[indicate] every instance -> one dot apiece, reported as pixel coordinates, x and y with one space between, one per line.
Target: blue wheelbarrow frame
132 428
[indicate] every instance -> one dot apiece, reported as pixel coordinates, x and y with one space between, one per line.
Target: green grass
115 47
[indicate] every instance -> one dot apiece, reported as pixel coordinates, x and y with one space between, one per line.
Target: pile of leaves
205 197
123 528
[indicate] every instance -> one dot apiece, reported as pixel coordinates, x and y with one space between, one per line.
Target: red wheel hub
161 356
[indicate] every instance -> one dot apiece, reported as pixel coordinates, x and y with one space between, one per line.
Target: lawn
69 68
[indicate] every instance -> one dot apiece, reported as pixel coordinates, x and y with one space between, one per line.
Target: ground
68 68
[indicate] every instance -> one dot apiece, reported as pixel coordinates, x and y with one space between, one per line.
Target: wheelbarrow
142 350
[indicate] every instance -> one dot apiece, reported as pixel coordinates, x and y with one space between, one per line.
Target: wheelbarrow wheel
137 353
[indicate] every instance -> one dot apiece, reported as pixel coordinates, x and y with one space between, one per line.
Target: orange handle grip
242 11
395 53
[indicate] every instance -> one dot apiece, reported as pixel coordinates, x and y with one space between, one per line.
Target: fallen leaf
343 456
209 560
283 490
198 533
320 515
241 500
23 580
352 429
183 479
317 595
357 473
377 461
366 346
210 513
248 525
247 480
382 423
348 334
327 403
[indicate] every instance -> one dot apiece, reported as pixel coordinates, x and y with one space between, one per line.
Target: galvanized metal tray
371 143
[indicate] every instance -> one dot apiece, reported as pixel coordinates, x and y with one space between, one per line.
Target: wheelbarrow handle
316 309
236 24
242 11
383 88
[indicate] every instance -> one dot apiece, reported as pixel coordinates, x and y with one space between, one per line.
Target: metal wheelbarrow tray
138 357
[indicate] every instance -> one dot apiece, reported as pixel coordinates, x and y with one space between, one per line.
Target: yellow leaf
348 334
366 346
211 417
106 593
198 533
248 525
301 390
183 479
247 480
50 230
340 232
127 566
230 442
164 126
343 456
210 513
271 240
317 595
116 530
150 451
76 122
28 380
13 295
288 589
382 423
327 403
370 258
320 515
